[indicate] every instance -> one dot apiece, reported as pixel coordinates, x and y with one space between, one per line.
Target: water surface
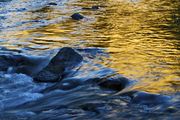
141 37
141 40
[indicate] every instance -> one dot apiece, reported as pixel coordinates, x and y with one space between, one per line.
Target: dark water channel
137 39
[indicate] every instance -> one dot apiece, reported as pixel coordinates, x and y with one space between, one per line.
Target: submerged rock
114 83
92 107
6 61
45 101
145 98
41 68
31 65
52 3
65 60
91 8
95 7
22 64
149 99
77 16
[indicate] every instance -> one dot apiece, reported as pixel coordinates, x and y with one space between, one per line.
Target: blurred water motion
141 36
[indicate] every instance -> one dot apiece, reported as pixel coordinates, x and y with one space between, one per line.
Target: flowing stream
138 39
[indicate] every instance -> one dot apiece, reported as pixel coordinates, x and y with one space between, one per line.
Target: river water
140 40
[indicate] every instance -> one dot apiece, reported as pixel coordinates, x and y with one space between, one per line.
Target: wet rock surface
48 75
65 60
145 98
117 83
21 63
6 62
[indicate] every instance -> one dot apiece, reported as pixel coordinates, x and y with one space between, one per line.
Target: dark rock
149 99
77 16
22 64
52 3
30 65
65 60
47 76
91 8
95 7
51 73
114 83
6 61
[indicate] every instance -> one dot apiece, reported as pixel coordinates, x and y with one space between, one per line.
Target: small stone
52 3
91 8
95 7
77 16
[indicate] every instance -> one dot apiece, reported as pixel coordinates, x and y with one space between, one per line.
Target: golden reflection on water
142 43
141 36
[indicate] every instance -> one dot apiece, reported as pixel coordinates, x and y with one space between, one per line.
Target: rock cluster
55 70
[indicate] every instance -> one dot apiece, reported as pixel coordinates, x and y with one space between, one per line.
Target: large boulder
65 60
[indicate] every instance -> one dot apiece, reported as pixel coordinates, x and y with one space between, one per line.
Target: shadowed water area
134 42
